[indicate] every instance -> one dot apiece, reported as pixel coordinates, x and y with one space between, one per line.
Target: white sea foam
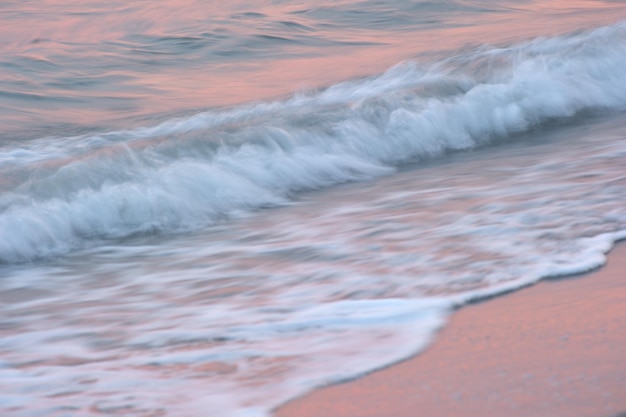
257 311
192 172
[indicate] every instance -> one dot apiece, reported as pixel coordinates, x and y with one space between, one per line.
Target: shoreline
554 349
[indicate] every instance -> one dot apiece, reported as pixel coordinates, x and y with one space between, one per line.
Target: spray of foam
61 193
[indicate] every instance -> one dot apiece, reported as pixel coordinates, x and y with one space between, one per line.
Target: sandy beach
555 349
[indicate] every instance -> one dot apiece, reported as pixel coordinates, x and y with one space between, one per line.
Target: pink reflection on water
55 32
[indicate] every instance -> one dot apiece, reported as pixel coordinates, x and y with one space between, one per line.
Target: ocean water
211 209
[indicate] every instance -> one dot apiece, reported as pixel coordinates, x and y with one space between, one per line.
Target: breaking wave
60 194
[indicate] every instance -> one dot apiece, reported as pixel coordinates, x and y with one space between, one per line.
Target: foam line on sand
557 349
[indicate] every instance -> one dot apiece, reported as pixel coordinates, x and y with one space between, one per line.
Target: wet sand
556 349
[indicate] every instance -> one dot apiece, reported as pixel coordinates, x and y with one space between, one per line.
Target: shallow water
167 251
